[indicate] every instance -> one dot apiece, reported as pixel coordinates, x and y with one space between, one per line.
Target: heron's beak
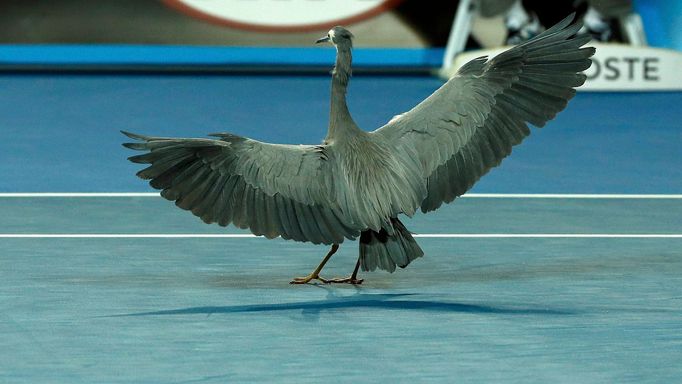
322 40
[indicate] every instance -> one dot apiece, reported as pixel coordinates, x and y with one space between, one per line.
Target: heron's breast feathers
373 184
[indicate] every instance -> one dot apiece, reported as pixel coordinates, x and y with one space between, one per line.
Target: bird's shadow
386 301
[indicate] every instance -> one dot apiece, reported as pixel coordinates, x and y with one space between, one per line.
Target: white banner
617 67
273 15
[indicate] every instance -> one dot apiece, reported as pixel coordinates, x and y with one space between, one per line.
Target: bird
356 184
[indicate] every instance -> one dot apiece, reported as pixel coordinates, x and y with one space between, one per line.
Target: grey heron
356 183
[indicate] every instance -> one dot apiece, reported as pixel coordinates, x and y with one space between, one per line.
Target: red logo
282 15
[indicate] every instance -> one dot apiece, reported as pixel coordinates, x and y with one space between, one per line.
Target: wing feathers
471 123
272 190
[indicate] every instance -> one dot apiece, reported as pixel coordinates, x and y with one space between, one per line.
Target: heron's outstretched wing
470 124
274 190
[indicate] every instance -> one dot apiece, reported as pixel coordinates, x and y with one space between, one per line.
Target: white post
459 33
633 29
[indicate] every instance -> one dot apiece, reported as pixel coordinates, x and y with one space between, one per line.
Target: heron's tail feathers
384 251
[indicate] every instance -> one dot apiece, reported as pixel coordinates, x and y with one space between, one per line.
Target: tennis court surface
579 284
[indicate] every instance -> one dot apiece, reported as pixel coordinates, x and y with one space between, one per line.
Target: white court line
423 235
468 195
571 196
80 194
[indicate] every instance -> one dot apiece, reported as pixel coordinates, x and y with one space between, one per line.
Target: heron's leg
352 279
315 275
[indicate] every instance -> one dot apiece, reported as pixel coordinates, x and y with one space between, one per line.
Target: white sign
618 67
282 15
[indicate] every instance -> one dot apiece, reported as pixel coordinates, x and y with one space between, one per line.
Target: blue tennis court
579 284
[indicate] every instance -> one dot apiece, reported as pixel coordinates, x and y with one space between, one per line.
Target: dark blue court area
531 289
61 131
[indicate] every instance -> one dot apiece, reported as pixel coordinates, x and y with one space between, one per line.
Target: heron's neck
340 121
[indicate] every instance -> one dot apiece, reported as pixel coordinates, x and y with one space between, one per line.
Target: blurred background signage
291 15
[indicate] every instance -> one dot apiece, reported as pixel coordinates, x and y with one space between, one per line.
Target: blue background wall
662 22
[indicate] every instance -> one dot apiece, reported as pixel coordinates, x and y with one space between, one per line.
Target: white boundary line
468 195
424 235
80 194
571 196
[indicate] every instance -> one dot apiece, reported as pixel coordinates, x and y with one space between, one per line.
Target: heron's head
339 36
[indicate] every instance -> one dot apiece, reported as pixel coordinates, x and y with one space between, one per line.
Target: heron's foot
315 275
345 280
308 279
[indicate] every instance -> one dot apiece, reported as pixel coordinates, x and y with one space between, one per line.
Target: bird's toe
308 279
345 280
